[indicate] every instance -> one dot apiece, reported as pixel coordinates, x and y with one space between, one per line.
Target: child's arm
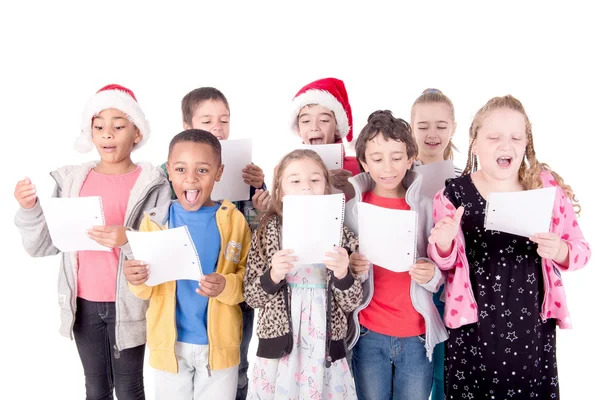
569 249
31 222
348 291
233 293
259 287
136 272
442 247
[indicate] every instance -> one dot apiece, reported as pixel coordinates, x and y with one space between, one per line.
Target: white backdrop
55 55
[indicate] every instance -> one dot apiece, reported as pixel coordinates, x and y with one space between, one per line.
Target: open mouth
316 140
433 144
191 195
504 162
387 178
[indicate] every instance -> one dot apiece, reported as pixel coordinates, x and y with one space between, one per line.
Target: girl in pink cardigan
504 293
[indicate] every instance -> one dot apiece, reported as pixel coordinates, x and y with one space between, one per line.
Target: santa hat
329 93
119 98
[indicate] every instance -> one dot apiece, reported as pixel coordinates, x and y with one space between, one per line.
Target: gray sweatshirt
151 189
421 295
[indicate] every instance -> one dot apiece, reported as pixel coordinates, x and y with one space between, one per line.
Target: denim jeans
247 323
106 369
437 391
388 367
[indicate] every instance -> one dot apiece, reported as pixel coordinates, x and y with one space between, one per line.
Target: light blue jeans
388 367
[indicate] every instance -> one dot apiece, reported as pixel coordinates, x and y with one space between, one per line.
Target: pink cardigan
461 308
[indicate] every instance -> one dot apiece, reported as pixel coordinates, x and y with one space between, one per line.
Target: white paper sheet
170 253
387 237
434 176
331 154
69 219
522 213
236 154
312 225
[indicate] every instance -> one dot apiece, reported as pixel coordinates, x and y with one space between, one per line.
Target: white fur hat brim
325 99
104 100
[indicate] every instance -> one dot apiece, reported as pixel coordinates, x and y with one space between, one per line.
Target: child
302 319
96 307
194 340
321 114
207 108
505 295
433 125
397 321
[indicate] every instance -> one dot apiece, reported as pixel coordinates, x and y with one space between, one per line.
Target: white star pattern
510 392
497 277
521 290
460 375
474 350
519 258
509 249
497 287
483 314
459 341
480 271
554 381
548 347
530 278
512 336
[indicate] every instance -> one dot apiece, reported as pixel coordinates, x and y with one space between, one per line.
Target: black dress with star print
509 353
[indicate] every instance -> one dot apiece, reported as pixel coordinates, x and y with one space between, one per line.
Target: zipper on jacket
143 197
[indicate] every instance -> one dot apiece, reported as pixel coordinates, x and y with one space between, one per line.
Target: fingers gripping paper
524 213
235 154
312 225
387 237
170 254
69 219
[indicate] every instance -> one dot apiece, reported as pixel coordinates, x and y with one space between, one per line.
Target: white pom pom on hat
119 98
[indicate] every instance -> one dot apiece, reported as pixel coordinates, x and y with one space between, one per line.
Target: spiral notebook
387 237
524 213
312 225
235 155
170 253
69 219
331 154
434 176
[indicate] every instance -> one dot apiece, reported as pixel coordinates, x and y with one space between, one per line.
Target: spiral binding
342 219
102 211
341 156
416 238
187 231
485 217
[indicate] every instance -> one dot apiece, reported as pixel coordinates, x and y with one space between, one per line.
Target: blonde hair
275 207
436 96
530 169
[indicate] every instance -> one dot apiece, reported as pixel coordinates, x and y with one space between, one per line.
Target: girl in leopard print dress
302 321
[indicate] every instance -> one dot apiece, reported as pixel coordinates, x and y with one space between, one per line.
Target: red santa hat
119 98
330 93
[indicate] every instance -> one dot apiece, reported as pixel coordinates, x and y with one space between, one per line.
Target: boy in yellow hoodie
195 328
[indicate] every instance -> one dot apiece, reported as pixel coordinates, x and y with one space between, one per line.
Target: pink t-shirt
97 270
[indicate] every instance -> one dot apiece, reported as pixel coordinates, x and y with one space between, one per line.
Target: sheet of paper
170 253
236 154
69 219
331 154
312 225
520 213
434 176
387 237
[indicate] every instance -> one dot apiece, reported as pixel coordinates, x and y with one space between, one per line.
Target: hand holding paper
422 272
70 219
551 247
211 285
136 272
170 254
338 262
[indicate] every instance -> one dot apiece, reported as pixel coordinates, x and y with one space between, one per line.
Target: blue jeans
388 367
437 391
106 369
247 323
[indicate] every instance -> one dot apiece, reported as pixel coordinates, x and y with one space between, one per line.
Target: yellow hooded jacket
224 327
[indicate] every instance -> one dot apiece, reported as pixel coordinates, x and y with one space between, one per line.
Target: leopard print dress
302 373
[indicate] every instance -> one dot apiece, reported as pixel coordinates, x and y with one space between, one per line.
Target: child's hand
136 272
339 178
109 236
281 264
260 200
551 247
211 285
253 175
359 264
446 229
422 272
338 263
25 193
